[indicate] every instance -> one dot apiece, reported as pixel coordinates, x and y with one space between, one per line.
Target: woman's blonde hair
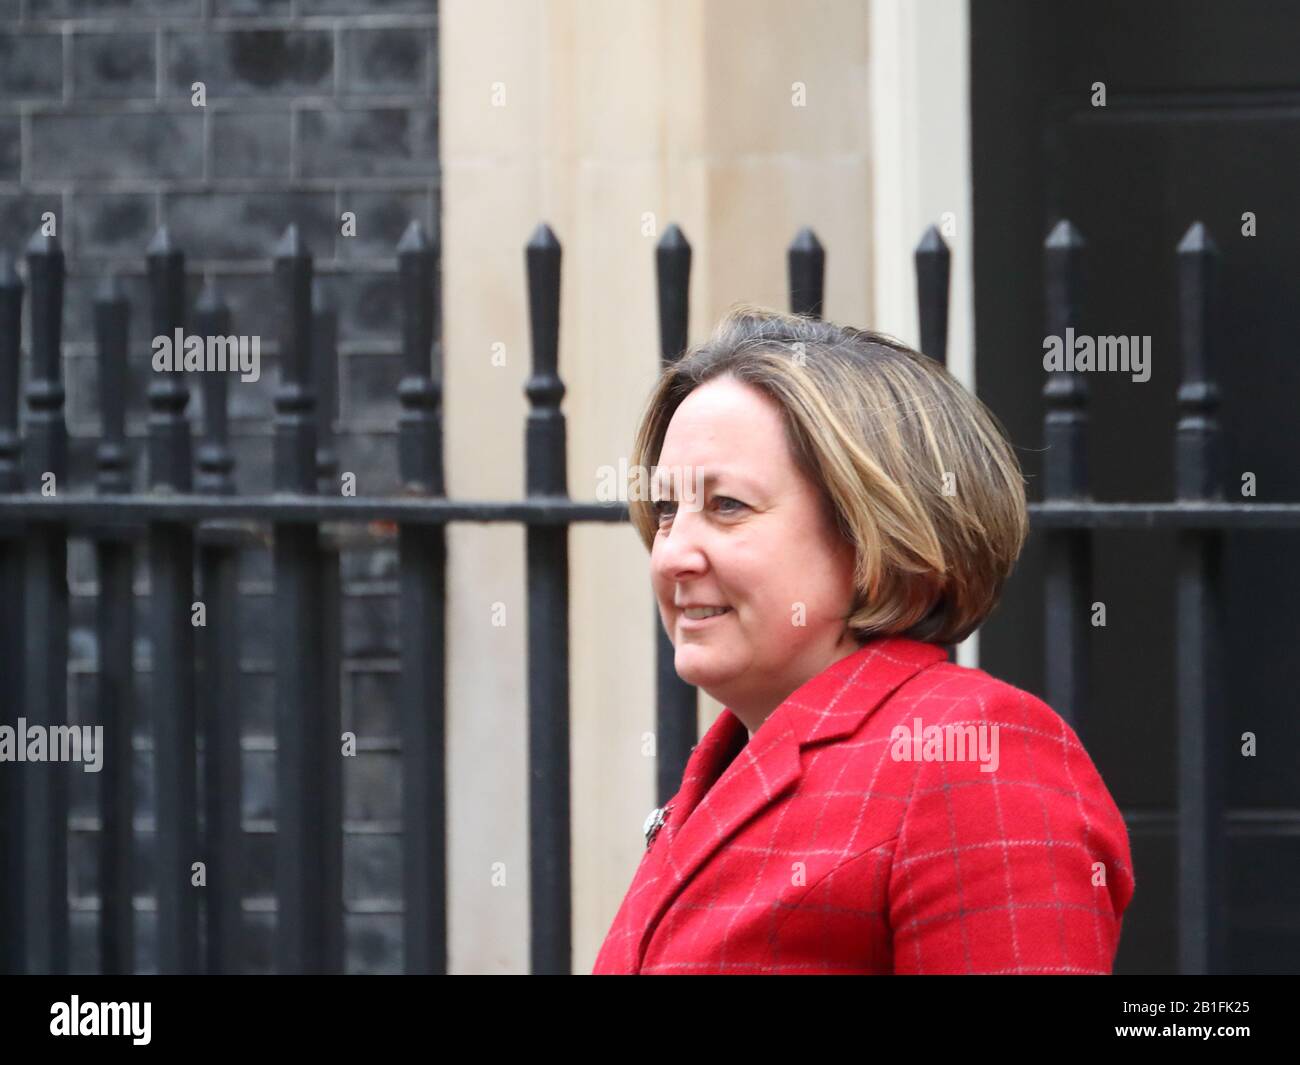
917 472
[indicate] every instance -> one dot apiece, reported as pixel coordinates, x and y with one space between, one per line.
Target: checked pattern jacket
828 844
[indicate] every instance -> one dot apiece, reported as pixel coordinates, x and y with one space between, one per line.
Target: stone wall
313 108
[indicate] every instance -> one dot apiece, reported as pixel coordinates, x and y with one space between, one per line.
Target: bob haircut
916 472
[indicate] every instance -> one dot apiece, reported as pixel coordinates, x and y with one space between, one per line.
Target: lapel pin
655 822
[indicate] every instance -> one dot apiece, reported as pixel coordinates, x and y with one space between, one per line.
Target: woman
862 805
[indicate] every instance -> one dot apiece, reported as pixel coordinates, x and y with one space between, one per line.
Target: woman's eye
667 507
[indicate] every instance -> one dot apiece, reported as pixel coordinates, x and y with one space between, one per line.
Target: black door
1201 123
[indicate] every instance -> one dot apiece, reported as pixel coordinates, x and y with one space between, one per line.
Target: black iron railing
195 678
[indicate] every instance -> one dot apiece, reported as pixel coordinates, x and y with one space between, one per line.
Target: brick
253 401
138 468
369 623
374 943
259 943
373 458
83 709
367 7
31 66
252 464
79 291
113 8
11 148
141 725
114 65
252 8
112 224
374 142
75 145
254 302
385 60
20 217
369 393
83 942
250 144
258 63
372 786
257 704
146 941
142 785
368 305
259 863
143 853
81 559
371 710
79 475
255 567
216 225
257 793
382 218
372 868
81 626
257 630
375 564
81 379
83 861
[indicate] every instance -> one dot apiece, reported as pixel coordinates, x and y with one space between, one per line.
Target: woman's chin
701 666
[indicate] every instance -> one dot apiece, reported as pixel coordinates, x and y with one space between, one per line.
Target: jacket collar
827 707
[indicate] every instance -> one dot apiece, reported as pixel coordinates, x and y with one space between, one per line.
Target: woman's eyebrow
668 485
742 484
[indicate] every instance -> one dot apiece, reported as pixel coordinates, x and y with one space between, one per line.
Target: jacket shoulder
949 694
1025 738
1008 818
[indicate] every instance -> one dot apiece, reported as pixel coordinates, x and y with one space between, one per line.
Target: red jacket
849 836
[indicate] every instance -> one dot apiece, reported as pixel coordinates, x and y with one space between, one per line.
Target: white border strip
919 101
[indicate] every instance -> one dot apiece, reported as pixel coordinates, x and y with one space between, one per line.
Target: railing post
12 816
933 271
218 658
1065 477
45 701
309 770
171 594
325 368
423 614
676 703
806 262
1202 764
115 625
548 625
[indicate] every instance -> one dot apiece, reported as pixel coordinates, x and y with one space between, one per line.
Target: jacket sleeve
1021 869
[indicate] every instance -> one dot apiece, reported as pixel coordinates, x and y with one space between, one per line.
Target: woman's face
758 542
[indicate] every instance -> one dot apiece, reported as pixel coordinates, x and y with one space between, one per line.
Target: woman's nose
678 550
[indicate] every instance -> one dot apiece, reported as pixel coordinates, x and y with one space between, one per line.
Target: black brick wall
314 107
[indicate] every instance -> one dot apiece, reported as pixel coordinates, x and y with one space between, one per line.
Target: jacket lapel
830 706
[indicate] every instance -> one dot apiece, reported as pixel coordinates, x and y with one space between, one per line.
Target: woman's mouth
702 615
